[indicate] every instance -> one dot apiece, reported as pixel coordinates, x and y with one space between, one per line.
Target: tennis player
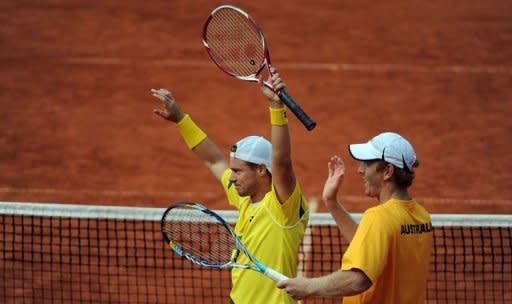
389 253
260 182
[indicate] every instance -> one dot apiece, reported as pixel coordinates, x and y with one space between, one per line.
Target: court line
319 66
138 193
106 193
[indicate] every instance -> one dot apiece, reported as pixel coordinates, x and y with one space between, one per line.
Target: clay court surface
77 125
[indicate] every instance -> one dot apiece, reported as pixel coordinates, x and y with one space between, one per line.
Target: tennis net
58 253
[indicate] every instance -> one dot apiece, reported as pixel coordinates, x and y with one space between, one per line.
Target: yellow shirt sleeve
231 193
369 248
289 212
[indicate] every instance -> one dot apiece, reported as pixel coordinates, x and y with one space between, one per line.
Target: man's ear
389 170
262 170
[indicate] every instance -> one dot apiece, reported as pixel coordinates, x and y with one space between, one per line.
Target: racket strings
199 235
235 43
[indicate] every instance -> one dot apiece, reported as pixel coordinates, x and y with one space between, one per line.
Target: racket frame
283 95
239 246
266 56
177 249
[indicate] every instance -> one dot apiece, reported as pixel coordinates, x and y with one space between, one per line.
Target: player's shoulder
295 197
376 213
373 210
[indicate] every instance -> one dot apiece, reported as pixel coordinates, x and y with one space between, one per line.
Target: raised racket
236 44
203 237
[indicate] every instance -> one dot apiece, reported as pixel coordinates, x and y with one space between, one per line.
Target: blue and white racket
205 238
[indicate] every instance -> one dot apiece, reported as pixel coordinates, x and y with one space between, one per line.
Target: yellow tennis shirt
392 246
272 232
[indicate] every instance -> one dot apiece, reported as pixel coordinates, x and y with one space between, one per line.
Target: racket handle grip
297 110
275 275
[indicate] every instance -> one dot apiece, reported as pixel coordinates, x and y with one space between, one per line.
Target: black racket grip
297 110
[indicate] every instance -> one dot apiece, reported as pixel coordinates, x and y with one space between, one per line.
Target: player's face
373 179
243 177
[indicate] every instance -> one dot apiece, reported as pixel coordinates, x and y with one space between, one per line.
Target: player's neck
390 191
257 197
262 190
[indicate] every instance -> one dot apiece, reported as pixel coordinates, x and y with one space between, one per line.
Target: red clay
77 123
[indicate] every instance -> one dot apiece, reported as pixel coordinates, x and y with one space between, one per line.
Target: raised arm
336 172
193 136
283 176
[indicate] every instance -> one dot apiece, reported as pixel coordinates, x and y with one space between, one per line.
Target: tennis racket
235 43
204 238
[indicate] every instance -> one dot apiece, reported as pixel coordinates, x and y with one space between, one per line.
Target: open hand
334 178
171 110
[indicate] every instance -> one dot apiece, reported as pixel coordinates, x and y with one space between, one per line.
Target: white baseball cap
387 146
253 149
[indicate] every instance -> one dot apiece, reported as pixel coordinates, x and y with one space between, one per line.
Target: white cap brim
364 152
389 147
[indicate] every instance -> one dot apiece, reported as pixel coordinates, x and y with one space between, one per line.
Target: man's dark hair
254 166
403 178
